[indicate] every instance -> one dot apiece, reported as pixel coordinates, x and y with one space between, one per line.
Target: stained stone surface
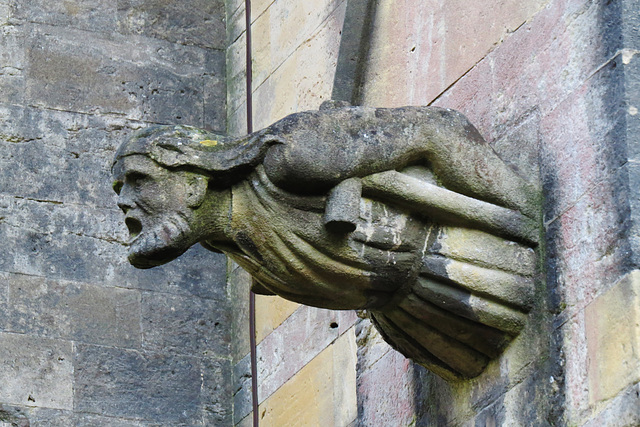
85 339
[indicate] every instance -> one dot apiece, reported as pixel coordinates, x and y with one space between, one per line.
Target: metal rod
252 296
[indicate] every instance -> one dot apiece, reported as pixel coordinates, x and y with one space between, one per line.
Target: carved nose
125 203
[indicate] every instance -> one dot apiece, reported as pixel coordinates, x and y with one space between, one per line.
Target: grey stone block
4 292
91 15
12 82
36 371
239 282
199 22
621 411
59 156
185 325
217 392
140 78
81 419
152 387
80 312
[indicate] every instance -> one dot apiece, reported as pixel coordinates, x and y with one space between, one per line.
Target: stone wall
552 85
86 339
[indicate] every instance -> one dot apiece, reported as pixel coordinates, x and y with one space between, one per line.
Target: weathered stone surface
73 311
36 371
92 15
622 411
184 325
65 72
29 416
287 350
321 393
386 394
418 49
613 343
217 389
270 313
200 22
238 282
145 386
12 82
71 87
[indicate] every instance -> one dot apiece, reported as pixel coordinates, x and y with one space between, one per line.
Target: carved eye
117 186
135 178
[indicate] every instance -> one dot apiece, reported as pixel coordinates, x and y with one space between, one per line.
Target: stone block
137 77
92 420
520 148
323 392
236 81
199 22
613 338
91 15
622 411
407 54
12 66
273 40
582 143
36 371
535 68
73 311
301 337
236 20
4 294
185 325
22 416
216 392
386 392
422 49
588 245
239 282
305 79
270 313
62 157
157 388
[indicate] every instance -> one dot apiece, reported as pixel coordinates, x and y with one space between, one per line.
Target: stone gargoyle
406 212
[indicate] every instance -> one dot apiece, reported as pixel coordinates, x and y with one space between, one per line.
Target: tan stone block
270 313
236 75
613 338
323 393
282 29
406 64
305 79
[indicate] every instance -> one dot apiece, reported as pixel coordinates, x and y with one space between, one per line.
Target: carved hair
225 159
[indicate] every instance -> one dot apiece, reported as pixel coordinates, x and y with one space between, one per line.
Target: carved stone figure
404 212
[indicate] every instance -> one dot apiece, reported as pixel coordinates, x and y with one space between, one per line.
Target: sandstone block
613 337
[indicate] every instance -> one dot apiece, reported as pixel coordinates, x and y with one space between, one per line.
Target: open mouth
134 226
